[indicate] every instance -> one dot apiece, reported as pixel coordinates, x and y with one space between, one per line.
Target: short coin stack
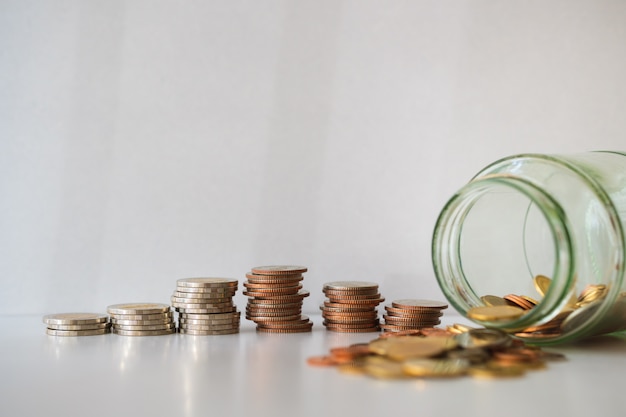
275 302
77 324
411 314
205 306
142 319
351 306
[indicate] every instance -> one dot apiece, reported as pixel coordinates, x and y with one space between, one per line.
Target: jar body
559 216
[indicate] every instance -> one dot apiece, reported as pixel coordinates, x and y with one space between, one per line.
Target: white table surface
252 374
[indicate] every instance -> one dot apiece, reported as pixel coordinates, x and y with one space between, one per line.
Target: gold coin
75 318
279 270
542 283
495 313
379 367
53 332
483 338
273 279
438 368
350 285
208 332
207 282
493 300
95 326
143 332
138 308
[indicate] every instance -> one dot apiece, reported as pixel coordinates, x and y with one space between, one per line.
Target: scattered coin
437 353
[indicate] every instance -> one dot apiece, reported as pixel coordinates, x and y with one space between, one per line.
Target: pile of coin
141 319
411 314
438 353
205 306
578 309
275 299
350 306
77 324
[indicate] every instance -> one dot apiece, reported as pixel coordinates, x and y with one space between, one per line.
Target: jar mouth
495 211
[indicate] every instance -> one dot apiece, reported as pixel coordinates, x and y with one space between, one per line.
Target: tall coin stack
350 306
411 314
142 319
275 302
77 324
205 306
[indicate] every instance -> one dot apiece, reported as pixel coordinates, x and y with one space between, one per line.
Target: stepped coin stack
205 306
411 314
141 319
275 302
77 324
350 306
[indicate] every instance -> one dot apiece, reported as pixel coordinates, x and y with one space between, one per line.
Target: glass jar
543 233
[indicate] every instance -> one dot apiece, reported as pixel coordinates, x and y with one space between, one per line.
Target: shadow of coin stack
350 306
205 306
275 299
141 319
412 314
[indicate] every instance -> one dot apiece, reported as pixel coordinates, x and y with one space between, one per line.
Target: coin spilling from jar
578 309
439 353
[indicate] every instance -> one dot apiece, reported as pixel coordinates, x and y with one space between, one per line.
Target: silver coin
213 316
208 332
209 327
53 332
138 308
75 318
142 328
211 296
207 290
206 310
143 332
142 322
208 322
95 326
207 282
219 302
148 317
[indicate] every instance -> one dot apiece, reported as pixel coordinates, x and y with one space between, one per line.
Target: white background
146 141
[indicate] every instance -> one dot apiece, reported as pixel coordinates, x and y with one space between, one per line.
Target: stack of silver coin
77 324
142 319
205 306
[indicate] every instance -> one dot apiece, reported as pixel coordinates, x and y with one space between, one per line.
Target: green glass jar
543 233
